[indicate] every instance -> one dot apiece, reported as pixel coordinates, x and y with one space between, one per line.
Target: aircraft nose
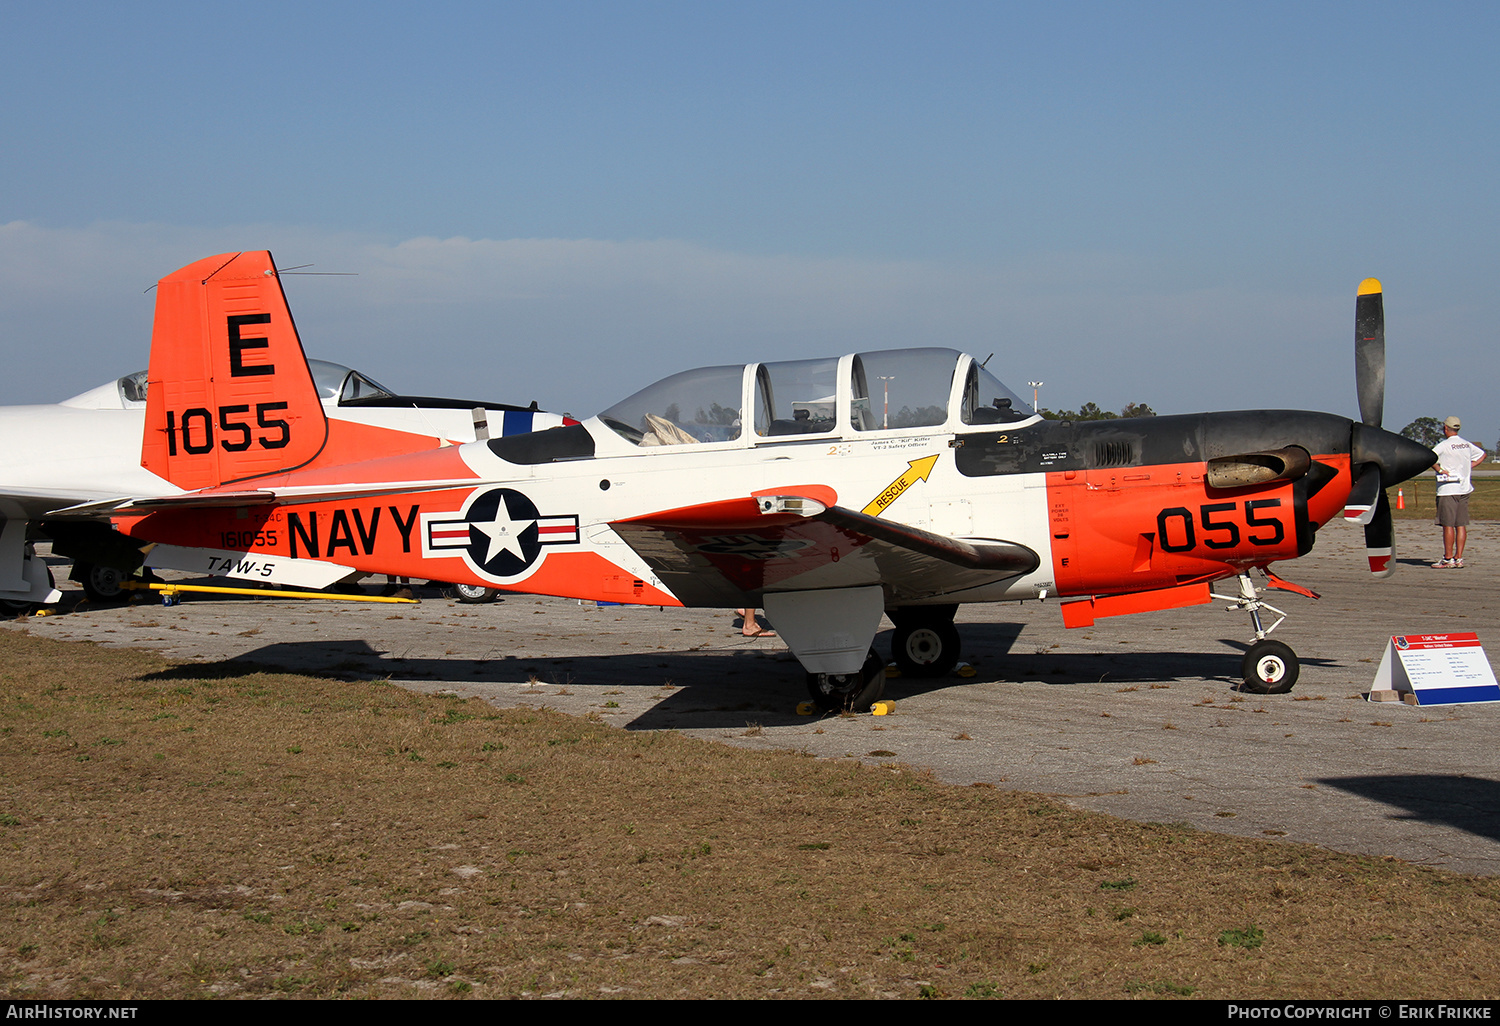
1398 457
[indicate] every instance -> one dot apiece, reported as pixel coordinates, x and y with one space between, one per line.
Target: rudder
230 395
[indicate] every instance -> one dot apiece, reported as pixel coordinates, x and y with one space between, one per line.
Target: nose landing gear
1269 667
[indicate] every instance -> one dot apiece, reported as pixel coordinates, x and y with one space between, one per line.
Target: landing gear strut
1269 668
925 642
849 692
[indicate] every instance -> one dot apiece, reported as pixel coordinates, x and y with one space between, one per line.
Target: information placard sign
1437 669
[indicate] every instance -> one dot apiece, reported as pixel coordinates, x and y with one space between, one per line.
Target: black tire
475 593
925 649
101 583
849 692
1270 668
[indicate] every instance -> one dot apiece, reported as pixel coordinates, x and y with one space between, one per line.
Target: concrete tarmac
1138 716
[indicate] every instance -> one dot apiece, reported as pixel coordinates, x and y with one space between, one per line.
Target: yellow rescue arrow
916 470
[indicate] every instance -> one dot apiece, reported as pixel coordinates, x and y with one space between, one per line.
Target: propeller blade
1359 508
1369 351
1380 539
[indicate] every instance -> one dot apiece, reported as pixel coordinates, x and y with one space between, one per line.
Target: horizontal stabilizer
129 506
260 567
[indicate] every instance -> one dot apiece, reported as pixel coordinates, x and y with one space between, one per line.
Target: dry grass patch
185 831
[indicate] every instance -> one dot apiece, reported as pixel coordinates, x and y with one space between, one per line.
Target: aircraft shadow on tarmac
1470 804
725 688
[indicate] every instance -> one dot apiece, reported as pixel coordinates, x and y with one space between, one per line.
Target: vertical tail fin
230 395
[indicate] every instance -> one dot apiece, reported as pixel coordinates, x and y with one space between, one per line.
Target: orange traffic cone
1400 499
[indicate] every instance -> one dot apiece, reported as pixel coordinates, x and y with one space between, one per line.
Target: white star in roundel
504 534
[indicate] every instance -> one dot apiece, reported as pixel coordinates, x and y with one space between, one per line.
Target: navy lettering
404 526
309 537
338 534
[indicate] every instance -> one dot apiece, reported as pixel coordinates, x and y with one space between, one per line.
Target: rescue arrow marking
916 470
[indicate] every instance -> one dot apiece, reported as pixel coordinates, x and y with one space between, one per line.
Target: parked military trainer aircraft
88 448
828 491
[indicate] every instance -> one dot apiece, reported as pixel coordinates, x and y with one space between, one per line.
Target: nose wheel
1269 668
849 692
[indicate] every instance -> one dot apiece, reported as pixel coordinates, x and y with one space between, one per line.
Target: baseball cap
1452 422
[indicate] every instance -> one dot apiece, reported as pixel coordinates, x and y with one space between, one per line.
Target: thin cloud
578 323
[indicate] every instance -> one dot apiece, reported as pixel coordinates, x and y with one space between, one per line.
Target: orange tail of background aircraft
230 395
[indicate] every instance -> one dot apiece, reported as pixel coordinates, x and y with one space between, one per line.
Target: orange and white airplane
829 492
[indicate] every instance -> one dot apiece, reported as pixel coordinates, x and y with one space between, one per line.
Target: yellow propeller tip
1370 287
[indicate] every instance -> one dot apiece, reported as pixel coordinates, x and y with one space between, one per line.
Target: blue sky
1157 202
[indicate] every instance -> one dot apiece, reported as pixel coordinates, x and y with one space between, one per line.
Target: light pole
1035 385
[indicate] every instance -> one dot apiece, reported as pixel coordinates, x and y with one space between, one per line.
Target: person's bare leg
750 627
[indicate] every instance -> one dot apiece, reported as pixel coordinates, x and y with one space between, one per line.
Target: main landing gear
830 631
849 692
1270 668
475 593
100 583
925 642
105 584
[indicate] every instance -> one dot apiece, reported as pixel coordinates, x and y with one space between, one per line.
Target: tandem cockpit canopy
887 390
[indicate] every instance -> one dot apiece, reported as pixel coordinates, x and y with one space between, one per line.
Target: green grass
1484 503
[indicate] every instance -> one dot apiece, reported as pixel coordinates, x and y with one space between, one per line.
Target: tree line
1092 411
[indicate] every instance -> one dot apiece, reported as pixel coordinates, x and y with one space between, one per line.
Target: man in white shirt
1456 458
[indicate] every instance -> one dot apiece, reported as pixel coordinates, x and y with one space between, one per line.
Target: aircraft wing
728 553
34 503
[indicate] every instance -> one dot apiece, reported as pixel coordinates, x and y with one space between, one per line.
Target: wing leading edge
731 552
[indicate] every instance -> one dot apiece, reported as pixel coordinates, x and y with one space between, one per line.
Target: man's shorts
1453 511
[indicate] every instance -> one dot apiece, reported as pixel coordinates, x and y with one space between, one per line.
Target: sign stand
1434 669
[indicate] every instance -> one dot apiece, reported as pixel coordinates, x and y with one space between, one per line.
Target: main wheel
849 692
925 649
475 593
1270 668
100 583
